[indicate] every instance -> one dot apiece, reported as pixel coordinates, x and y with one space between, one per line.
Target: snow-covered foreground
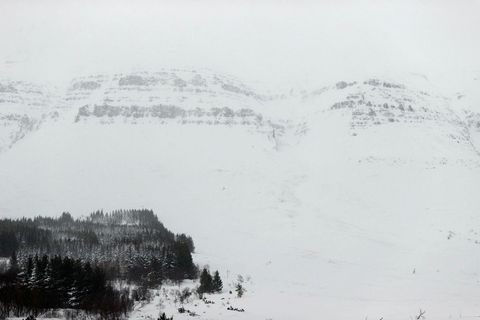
325 223
224 305
342 238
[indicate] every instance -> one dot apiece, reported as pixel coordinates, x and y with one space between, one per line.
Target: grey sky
277 42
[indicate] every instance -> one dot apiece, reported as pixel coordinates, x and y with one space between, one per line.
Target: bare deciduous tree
421 314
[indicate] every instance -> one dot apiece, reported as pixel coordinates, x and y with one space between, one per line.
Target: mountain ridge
191 97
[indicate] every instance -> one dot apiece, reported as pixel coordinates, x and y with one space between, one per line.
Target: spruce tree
217 282
184 262
26 272
206 282
14 262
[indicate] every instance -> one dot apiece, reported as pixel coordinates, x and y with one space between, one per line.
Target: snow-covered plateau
354 200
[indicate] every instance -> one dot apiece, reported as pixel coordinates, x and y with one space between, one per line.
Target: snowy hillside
23 107
354 200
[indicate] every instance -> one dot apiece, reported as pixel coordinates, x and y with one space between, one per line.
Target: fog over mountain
327 152
271 41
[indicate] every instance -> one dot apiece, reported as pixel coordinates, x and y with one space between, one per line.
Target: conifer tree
217 282
206 282
14 261
26 273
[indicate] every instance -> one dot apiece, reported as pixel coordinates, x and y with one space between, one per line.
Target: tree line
45 283
67 263
131 245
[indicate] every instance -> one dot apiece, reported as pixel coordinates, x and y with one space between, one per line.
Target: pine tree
217 282
47 284
184 262
206 282
33 279
14 262
26 273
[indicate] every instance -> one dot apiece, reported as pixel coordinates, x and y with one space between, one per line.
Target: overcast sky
267 41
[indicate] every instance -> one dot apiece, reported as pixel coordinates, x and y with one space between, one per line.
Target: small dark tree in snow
206 282
217 282
164 317
239 286
239 289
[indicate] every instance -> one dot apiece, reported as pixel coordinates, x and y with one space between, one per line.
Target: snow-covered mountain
205 98
357 199
23 107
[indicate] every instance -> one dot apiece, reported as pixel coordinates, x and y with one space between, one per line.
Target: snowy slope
355 200
23 107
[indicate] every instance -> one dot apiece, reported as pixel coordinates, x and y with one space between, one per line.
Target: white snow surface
331 212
